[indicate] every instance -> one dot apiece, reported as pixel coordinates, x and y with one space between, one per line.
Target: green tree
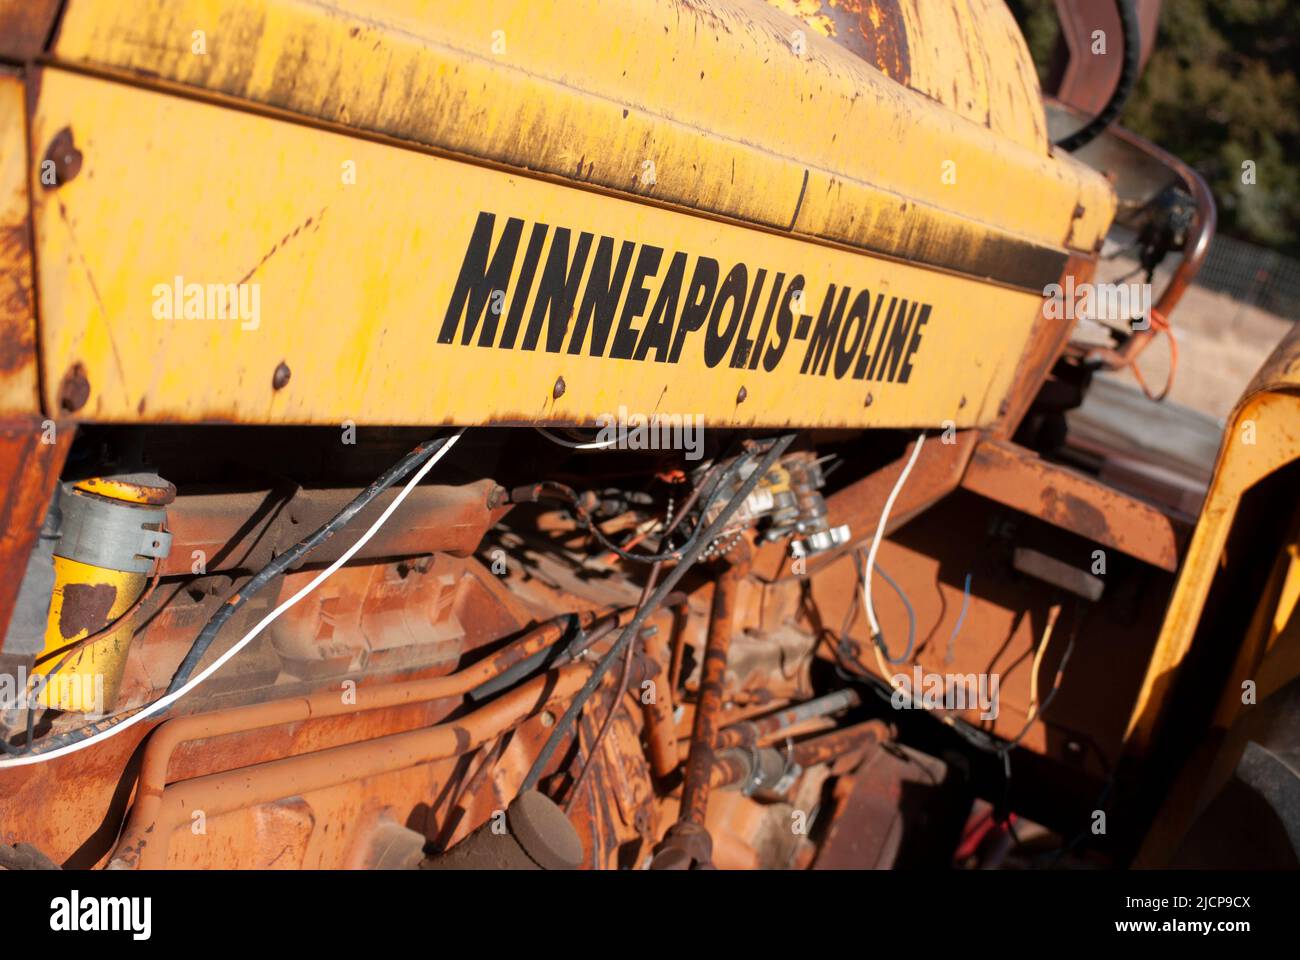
1219 91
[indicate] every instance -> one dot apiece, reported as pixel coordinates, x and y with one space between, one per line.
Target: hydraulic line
650 582
749 732
145 839
689 555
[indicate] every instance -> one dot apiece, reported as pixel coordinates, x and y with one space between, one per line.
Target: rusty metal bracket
1017 477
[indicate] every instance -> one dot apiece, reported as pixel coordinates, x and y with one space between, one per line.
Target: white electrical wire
573 445
163 702
875 545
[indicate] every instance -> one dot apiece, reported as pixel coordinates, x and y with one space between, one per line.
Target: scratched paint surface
355 280
1273 414
736 122
17 327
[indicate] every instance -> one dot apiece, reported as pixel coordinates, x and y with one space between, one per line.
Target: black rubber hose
689 556
1130 34
398 471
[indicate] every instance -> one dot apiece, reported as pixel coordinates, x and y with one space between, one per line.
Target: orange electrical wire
1160 323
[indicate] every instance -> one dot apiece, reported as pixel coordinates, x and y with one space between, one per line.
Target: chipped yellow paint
811 12
354 282
90 680
17 318
969 56
733 120
1263 436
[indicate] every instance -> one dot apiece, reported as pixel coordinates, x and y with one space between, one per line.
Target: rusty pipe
750 732
147 835
545 657
762 768
699 763
172 733
660 731
832 746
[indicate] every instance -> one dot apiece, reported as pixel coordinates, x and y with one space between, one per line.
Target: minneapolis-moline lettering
669 301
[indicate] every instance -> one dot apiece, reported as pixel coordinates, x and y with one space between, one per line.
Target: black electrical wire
77 734
588 522
398 471
1130 34
699 541
710 498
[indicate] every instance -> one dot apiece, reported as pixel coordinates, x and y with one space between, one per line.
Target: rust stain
86 607
872 29
65 158
283 242
1063 509
24 25
1018 478
17 338
74 390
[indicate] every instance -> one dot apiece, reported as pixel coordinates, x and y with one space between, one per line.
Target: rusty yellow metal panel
954 53
1263 436
371 285
18 394
24 27
706 105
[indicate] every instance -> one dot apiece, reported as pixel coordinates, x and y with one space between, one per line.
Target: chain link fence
1253 275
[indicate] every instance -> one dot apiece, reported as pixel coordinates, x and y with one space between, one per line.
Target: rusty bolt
740 397
961 404
74 391
870 400
280 379
65 157
559 389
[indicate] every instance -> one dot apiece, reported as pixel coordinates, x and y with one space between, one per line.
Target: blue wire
961 618
911 622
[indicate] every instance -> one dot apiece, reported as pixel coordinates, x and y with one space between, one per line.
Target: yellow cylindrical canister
113 533
86 599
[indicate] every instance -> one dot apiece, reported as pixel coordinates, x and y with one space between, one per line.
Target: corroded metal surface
1017 477
17 306
32 453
